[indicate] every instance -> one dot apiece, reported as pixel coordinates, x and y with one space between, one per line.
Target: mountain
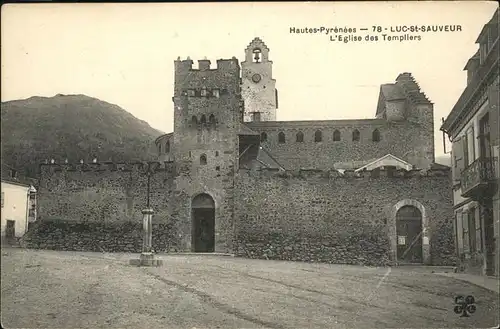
71 127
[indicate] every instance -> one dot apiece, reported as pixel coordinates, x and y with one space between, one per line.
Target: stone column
147 220
147 257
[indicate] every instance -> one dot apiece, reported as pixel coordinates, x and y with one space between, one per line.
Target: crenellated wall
315 215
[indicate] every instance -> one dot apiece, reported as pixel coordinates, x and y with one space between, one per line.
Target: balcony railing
479 177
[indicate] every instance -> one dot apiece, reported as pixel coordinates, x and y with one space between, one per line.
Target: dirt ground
49 289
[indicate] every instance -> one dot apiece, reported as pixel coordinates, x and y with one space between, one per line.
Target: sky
124 53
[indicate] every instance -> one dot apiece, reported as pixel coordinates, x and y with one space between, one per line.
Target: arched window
318 136
355 135
376 136
263 137
336 136
194 120
281 138
203 159
167 147
300 137
211 119
256 55
159 148
203 119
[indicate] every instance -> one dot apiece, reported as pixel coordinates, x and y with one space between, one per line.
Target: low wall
102 237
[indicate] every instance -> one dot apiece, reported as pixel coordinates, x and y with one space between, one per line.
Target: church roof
265 158
244 130
386 161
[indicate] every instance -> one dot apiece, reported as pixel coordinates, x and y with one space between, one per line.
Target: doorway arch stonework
426 251
203 223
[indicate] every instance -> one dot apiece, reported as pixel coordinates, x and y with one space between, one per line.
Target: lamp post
147 257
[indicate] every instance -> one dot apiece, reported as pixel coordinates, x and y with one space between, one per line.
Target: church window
355 135
167 147
204 93
203 119
159 148
211 119
281 138
300 137
216 153
318 136
263 137
194 120
257 55
215 93
376 136
191 92
203 159
336 136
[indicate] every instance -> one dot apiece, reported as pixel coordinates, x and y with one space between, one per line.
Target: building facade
473 128
230 178
18 204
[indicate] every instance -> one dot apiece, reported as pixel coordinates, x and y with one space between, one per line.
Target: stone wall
106 198
329 217
97 236
418 148
206 152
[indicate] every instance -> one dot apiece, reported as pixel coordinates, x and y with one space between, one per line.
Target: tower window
263 137
257 55
318 136
355 135
194 120
211 119
281 138
336 136
376 136
203 119
256 116
300 137
203 159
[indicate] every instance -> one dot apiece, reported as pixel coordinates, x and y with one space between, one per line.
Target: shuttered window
479 240
459 232
458 163
465 222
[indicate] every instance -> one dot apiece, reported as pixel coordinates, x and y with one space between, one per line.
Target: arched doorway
203 223
409 235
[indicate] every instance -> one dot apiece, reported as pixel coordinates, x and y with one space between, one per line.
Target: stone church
232 179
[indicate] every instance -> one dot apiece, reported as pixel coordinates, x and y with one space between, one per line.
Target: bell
257 57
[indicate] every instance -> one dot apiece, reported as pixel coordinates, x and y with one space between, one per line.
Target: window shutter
494 111
465 223
460 242
457 154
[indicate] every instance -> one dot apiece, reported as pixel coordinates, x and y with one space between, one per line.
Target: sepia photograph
278 165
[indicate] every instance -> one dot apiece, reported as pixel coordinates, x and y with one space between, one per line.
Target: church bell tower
258 87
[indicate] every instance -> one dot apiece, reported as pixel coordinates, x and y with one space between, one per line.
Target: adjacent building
473 128
18 197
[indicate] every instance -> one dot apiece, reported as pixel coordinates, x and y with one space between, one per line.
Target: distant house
18 197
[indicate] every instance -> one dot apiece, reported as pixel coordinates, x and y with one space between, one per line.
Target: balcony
478 179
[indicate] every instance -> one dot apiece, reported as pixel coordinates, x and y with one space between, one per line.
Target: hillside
71 127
